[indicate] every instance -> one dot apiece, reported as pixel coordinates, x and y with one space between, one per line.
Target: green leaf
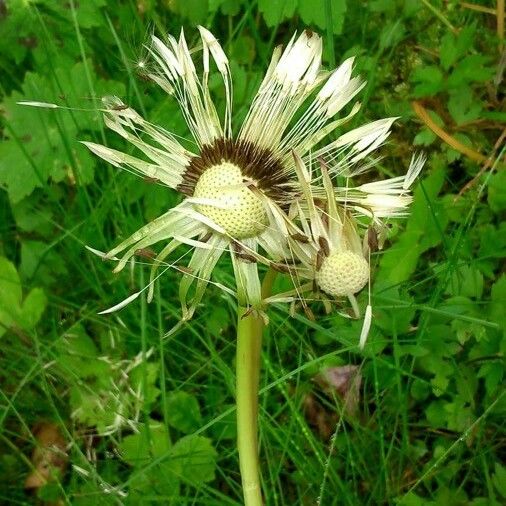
383 6
459 415
10 293
470 69
193 458
193 10
435 414
411 499
428 79
314 12
420 390
33 215
183 412
454 46
148 371
33 306
493 372
497 191
448 52
465 331
425 137
276 11
13 310
150 442
227 7
18 25
391 34
398 318
78 355
40 262
497 308
88 13
463 106
466 281
43 144
499 479
139 450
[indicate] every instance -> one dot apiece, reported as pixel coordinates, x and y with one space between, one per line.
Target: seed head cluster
265 191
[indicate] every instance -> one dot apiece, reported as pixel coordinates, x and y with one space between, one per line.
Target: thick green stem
249 343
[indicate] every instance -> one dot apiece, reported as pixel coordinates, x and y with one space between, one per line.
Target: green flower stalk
249 343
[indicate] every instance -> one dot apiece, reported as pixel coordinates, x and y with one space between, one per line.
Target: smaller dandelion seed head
343 273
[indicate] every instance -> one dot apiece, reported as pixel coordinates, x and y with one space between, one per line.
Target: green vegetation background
147 418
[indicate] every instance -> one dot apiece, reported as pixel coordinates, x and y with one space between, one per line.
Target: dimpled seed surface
244 215
343 273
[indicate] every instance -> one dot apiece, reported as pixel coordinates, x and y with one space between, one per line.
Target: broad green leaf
149 371
193 459
183 412
313 12
87 14
454 46
493 373
463 105
227 7
398 318
428 79
392 33
411 499
497 191
448 52
420 390
10 293
465 331
499 479
33 214
244 50
383 6
459 415
13 310
276 11
471 69
193 10
18 35
139 449
467 281
42 144
33 306
497 308
425 137
41 263
436 414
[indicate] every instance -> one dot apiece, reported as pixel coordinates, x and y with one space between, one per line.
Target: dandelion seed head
343 273
242 184
238 210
